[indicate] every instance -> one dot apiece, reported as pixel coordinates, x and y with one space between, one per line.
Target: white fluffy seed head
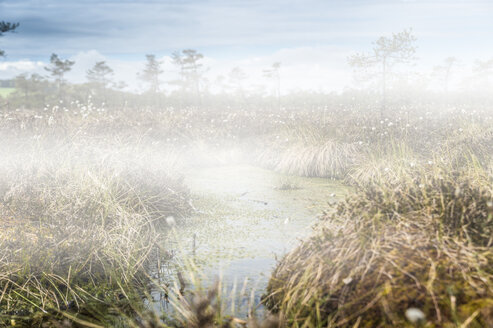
415 315
170 221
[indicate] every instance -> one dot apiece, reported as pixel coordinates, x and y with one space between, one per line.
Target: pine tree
387 52
4 28
191 71
100 74
151 73
58 68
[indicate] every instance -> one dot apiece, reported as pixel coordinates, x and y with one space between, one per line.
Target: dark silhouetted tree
4 28
58 68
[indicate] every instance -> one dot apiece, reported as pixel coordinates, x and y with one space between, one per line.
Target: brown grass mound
424 244
373 274
80 238
452 202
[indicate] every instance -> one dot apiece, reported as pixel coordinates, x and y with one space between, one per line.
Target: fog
246 163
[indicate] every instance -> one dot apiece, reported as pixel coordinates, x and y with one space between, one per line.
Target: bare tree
387 52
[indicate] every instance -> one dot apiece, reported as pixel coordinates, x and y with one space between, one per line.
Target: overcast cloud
310 37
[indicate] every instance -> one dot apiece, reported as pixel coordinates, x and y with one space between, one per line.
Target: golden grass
423 243
77 237
330 159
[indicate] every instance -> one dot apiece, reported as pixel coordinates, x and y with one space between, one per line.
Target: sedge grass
423 242
78 236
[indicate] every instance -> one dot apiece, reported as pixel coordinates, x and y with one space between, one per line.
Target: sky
311 38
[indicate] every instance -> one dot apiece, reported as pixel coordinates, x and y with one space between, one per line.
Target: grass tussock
77 239
474 142
385 165
206 309
329 159
413 246
422 245
197 305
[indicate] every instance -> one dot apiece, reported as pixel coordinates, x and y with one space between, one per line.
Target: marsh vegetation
225 205
124 218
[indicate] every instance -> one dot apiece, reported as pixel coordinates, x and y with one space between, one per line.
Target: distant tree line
375 71
7 83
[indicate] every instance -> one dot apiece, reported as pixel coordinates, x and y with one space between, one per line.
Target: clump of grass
472 142
205 308
309 150
422 243
457 202
329 159
370 275
211 307
287 183
77 239
384 166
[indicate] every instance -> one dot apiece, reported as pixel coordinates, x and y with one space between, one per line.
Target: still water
246 219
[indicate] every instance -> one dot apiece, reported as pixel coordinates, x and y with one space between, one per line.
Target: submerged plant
286 183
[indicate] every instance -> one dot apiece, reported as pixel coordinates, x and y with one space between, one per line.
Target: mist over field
246 163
